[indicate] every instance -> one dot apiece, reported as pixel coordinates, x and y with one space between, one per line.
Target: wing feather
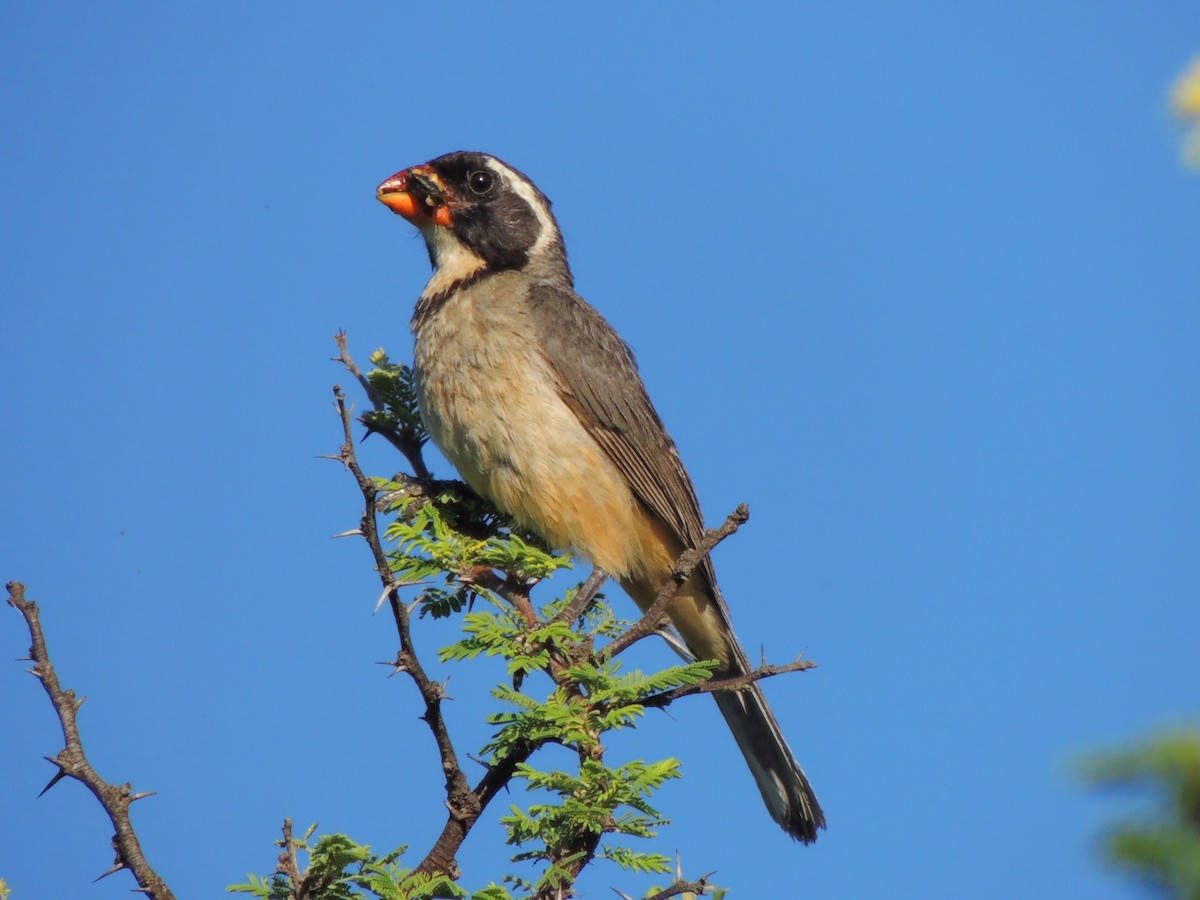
601 384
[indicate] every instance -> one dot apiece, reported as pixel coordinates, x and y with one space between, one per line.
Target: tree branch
735 683
72 762
462 802
289 865
687 563
586 594
347 360
465 804
680 887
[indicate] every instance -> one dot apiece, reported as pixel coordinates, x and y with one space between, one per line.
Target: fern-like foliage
393 383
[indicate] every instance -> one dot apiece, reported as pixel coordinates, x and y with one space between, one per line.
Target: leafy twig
408 438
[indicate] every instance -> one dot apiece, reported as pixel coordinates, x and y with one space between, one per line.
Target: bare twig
289 864
687 563
734 683
347 360
679 888
72 762
586 594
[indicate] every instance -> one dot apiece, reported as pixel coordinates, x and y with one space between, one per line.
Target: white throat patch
454 261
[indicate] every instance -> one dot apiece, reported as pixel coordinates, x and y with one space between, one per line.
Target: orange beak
417 194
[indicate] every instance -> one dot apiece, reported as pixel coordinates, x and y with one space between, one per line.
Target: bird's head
476 212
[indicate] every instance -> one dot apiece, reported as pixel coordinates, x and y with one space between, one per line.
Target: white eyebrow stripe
524 190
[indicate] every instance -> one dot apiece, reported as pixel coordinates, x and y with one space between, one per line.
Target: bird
538 403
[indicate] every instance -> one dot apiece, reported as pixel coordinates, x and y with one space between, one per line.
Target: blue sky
919 284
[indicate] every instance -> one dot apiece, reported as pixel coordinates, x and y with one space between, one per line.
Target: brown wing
602 386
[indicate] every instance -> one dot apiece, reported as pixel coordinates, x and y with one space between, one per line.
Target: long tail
705 631
785 789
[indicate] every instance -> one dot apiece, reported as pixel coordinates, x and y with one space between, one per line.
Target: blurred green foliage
1162 847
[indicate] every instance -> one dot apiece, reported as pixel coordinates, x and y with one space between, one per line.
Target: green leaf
634 861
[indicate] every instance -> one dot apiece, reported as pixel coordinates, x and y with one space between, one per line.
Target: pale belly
492 406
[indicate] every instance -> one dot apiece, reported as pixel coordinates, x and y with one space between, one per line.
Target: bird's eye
480 182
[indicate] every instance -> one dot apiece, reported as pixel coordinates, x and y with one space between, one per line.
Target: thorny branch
72 762
681 888
465 804
462 802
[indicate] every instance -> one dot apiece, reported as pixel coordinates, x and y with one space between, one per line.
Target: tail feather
785 789
703 630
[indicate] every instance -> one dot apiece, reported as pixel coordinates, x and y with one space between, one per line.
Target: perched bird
538 403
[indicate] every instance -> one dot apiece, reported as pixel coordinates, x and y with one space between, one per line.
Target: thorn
353 532
622 896
476 759
382 597
396 665
396 586
62 773
143 795
117 867
329 456
678 867
24 659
